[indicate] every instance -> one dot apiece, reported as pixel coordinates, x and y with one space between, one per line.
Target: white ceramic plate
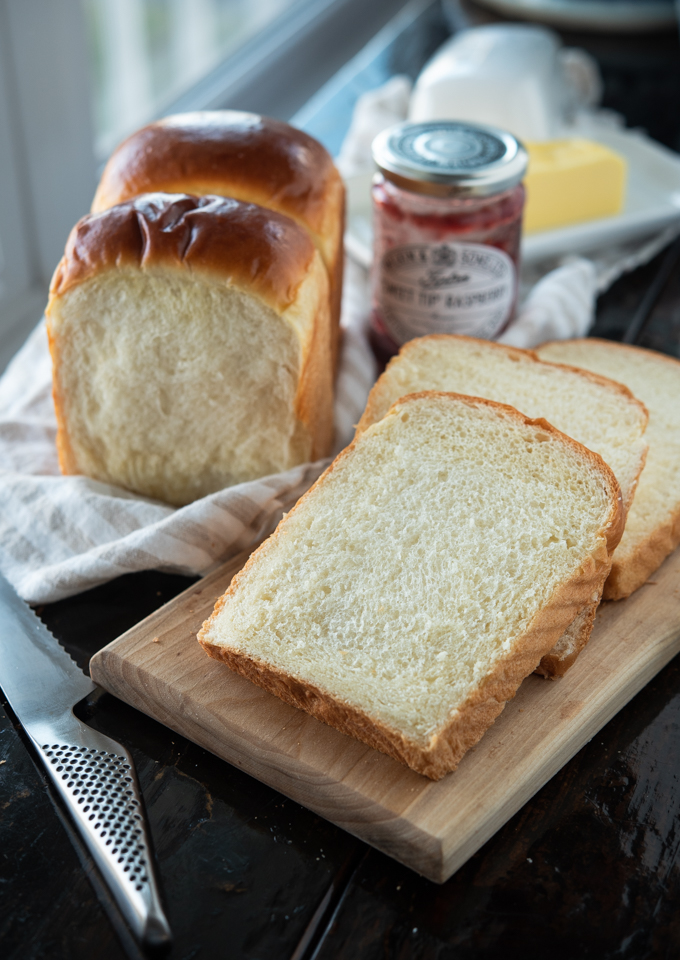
652 202
613 16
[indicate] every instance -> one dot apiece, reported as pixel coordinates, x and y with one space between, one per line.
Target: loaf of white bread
425 574
191 346
242 155
653 524
601 414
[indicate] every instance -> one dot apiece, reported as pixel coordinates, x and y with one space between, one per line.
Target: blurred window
145 53
77 76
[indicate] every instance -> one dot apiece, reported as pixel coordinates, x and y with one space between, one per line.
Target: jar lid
445 158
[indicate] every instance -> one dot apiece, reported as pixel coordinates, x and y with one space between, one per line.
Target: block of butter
569 181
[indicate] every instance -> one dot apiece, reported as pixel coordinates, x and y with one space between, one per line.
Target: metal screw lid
445 158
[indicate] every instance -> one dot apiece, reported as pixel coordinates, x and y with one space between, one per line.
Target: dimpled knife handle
96 780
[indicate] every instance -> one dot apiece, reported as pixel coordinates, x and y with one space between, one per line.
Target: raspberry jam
447 208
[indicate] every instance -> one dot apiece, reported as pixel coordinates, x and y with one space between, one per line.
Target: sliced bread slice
653 525
601 414
425 574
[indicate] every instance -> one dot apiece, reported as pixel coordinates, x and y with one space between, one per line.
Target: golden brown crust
336 270
68 463
240 243
243 155
481 708
314 397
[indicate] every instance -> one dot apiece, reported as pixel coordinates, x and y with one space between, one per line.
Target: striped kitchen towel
60 535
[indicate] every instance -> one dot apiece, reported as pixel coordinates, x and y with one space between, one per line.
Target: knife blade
93 774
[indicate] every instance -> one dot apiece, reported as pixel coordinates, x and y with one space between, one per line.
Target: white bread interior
424 575
191 346
175 386
653 524
601 415
598 413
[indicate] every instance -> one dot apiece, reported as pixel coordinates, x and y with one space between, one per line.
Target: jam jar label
428 288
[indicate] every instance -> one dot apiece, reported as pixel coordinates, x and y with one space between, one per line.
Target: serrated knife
93 774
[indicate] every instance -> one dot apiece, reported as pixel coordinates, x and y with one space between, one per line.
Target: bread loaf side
190 340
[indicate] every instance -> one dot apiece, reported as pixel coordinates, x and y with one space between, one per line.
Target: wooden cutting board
433 828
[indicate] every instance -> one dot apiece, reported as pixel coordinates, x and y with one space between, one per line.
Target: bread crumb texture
602 416
653 524
417 570
174 386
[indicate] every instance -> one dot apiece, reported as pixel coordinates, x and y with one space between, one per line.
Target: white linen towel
61 535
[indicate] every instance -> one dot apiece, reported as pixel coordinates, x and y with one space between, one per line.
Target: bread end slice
653 524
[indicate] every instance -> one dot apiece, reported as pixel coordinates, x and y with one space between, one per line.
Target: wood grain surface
159 668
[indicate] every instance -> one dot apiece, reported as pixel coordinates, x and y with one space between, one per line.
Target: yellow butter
569 181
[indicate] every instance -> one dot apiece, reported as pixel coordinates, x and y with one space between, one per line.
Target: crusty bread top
240 244
229 152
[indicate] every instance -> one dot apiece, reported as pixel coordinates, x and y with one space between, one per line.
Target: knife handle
96 779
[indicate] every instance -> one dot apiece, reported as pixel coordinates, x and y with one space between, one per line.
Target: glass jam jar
447 212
